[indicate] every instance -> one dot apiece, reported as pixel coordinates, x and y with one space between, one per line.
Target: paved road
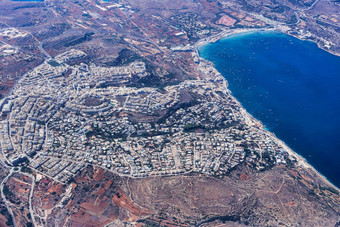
30 198
4 197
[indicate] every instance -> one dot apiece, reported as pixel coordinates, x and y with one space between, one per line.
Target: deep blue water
292 86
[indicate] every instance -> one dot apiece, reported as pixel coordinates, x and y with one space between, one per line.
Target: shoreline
241 31
300 159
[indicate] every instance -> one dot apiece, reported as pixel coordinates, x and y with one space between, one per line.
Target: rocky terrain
277 197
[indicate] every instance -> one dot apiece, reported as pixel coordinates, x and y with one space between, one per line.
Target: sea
291 86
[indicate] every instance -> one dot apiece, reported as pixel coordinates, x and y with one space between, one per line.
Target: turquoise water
292 86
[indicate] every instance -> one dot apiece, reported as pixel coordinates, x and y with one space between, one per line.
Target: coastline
302 162
239 31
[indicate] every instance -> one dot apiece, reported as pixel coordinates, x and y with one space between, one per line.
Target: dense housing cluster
59 118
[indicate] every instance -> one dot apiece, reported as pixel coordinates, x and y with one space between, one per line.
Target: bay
291 85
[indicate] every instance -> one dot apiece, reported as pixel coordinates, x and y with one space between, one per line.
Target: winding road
4 197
